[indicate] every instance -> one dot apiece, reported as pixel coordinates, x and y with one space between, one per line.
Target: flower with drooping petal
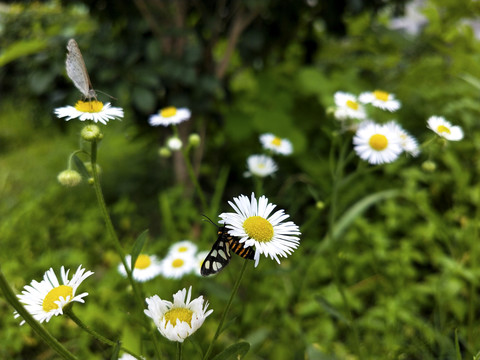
178 320
408 143
146 267
348 107
377 144
47 298
255 225
444 129
90 110
185 247
170 116
261 166
177 265
276 144
380 99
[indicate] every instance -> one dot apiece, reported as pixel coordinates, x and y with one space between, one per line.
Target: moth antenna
104 93
209 220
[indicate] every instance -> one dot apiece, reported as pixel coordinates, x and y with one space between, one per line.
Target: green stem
179 350
101 338
194 180
116 243
225 311
258 185
34 324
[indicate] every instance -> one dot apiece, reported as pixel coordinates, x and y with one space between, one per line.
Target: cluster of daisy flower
263 165
182 259
383 143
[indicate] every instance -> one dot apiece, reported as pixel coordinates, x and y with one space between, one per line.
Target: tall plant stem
337 176
179 350
193 178
94 334
139 297
34 324
225 311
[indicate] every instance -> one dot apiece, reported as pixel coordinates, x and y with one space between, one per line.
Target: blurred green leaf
20 49
137 247
235 351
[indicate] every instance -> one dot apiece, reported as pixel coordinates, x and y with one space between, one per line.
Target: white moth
77 71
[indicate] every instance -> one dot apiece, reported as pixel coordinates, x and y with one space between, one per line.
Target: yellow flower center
443 129
378 142
177 263
258 228
94 106
180 314
54 295
381 95
352 104
276 141
143 262
168 111
182 249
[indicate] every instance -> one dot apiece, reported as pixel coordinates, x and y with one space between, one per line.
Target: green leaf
331 310
235 351
21 49
137 247
358 208
81 167
457 346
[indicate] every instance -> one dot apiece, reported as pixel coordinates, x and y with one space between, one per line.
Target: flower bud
69 178
320 205
174 143
91 133
429 166
164 152
194 140
88 166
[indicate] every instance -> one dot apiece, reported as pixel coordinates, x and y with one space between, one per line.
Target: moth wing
77 71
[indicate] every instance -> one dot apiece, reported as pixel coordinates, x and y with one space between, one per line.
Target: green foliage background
408 266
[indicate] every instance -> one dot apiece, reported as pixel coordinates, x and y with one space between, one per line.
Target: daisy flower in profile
377 144
90 110
380 99
47 298
444 129
176 265
146 267
185 247
199 259
169 116
261 166
348 107
408 143
255 225
178 320
276 144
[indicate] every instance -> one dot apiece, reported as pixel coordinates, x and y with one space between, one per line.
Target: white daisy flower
90 110
380 99
183 247
176 265
146 267
128 357
377 144
408 143
261 166
348 107
169 116
174 143
277 145
47 298
253 223
199 259
180 319
443 128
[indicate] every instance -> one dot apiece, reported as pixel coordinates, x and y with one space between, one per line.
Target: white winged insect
77 71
